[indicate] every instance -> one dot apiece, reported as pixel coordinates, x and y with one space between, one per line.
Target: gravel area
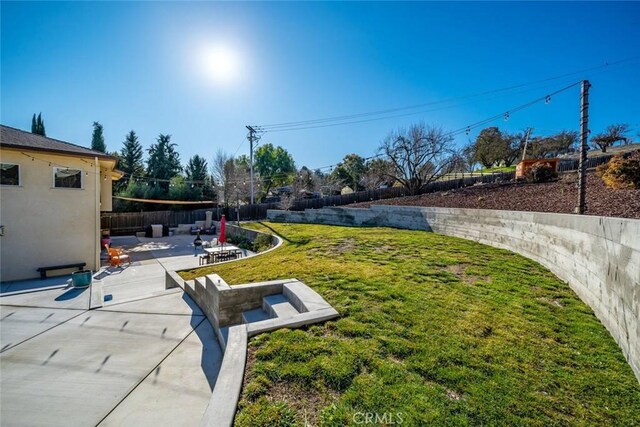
560 196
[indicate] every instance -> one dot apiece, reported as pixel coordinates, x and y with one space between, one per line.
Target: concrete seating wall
598 256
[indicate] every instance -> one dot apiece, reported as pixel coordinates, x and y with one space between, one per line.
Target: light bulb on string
506 116
547 99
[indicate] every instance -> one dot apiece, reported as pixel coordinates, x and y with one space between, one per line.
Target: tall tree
610 136
131 155
350 170
196 169
225 177
97 139
164 161
129 160
419 155
378 173
275 166
493 147
486 146
552 146
37 125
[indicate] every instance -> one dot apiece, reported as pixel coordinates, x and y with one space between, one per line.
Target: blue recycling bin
81 279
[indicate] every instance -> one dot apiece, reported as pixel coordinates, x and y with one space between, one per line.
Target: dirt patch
344 246
453 395
469 279
551 301
306 402
560 196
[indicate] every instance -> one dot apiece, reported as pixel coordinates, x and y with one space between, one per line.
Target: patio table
224 251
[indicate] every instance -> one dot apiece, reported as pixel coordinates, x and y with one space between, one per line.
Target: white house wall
46 226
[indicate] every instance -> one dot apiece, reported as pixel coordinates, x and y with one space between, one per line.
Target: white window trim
53 183
19 175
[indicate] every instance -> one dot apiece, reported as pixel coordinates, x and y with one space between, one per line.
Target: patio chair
117 256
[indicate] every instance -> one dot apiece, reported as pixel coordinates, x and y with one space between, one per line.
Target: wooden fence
130 222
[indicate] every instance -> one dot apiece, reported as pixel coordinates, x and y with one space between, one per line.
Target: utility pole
584 134
526 142
251 137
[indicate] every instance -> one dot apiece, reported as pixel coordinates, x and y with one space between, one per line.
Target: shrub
262 243
620 172
540 172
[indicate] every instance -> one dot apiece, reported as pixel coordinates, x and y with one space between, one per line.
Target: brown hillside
560 196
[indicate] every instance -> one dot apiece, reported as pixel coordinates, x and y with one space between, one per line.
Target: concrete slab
18 324
35 284
176 393
173 301
75 373
69 298
134 281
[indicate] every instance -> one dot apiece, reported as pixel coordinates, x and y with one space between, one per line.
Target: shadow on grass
285 238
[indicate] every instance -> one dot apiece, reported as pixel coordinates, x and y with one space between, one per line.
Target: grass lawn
497 169
434 330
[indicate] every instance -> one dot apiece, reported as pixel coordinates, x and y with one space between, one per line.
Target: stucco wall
46 226
599 257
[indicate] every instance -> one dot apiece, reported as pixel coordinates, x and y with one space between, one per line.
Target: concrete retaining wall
598 256
234 230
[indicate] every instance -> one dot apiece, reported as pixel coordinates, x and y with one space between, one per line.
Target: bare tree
221 175
419 155
610 136
378 173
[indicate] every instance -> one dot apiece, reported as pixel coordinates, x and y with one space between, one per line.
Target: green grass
497 169
439 330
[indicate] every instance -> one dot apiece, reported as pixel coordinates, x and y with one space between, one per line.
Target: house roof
16 138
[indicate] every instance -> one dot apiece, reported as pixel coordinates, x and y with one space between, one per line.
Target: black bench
43 270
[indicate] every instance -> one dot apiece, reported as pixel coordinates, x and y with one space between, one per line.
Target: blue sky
139 66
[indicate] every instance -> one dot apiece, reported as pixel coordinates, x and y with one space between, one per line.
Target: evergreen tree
97 139
164 161
131 156
196 169
37 125
129 160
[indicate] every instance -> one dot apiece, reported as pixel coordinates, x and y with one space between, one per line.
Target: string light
547 99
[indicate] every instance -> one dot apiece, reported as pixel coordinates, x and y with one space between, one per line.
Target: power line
347 119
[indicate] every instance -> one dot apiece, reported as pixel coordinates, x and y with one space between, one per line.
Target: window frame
19 175
57 168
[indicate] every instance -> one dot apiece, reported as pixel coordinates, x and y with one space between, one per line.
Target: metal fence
567 165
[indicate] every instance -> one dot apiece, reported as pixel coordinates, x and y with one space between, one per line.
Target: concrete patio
146 357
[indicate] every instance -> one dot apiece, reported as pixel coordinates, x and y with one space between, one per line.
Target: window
67 178
10 174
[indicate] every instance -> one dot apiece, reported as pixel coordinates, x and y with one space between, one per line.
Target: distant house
51 195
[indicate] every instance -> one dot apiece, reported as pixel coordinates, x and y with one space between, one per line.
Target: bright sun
221 64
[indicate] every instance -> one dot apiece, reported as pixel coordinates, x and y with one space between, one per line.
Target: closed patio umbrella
222 238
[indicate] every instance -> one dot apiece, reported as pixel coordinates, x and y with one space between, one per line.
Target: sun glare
221 64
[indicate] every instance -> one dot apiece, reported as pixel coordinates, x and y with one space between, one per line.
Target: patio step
273 307
278 306
255 315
